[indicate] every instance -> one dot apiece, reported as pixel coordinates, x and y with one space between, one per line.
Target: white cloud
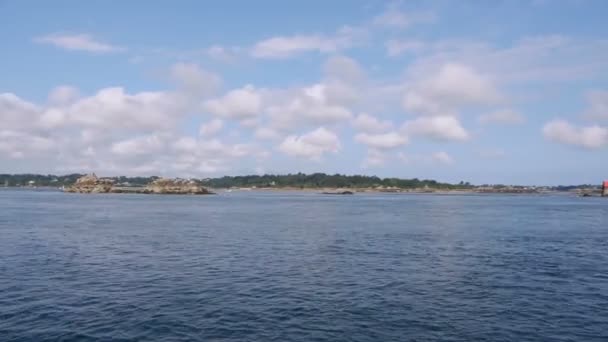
19 144
531 59
382 141
561 131
370 124
114 108
311 145
448 89
442 158
283 110
502 116
114 132
137 146
78 42
53 118
211 128
17 113
289 46
305 106
443 128
240 104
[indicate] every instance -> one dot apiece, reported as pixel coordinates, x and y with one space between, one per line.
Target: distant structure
605 189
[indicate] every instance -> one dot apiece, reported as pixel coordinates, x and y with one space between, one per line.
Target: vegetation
39 180
59 181
321 180
298 180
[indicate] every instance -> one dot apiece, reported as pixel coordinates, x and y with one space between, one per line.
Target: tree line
298 180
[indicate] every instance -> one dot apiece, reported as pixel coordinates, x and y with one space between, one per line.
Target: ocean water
254 266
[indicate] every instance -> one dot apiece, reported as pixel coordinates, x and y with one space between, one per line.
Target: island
91 184
314 182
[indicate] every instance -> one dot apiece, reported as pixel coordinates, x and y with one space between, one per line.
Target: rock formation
91 184
175 186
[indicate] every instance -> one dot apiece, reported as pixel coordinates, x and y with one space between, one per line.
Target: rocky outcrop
175 186
91 184
345 192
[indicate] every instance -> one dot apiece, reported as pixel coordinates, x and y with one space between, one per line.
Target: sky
489 92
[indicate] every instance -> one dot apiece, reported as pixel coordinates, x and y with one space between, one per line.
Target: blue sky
480 91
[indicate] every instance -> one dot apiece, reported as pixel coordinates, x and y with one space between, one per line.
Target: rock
91 184
175 186
346 192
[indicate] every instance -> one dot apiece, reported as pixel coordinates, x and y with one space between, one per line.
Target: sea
302 266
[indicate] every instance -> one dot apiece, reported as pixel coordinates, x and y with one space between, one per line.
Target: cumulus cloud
449 88
289 46
240 104
382 141
305 106
275 111
502 116
19 144
138 146
17 113
311 145
443 128
545 58
116 132
590 137
211 128
370 124
115 108
78 42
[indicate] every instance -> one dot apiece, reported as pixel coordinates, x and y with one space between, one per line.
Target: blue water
302 267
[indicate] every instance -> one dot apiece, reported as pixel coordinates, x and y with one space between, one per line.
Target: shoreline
326 191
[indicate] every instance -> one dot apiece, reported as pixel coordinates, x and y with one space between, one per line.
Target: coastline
320 191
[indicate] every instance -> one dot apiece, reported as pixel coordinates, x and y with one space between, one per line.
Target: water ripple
295 267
